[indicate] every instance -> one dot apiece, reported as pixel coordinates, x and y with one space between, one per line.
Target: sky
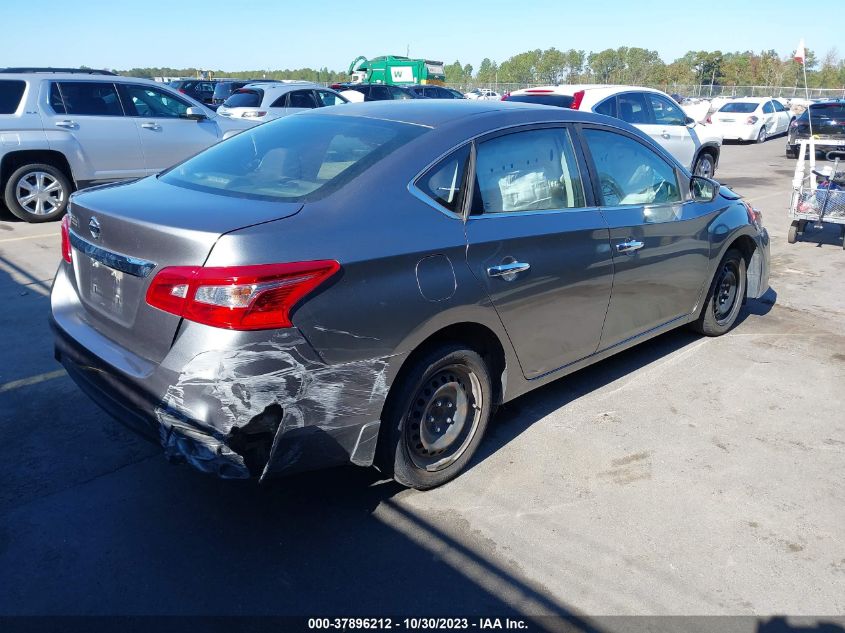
261 34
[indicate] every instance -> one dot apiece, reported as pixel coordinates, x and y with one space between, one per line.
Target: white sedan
751 119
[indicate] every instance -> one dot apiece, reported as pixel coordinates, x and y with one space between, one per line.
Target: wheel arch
14 160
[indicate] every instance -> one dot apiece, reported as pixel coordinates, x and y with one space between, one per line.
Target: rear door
539 246
659 240
669 129
301 100
167 135
87 118
770 119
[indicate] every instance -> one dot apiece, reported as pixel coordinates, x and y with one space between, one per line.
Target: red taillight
505 97
66 252
751 120
754 216
238 297
182 90
709 119
577 98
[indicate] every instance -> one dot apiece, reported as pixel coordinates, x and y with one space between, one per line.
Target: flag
800 53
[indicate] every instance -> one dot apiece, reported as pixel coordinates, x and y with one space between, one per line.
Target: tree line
623 65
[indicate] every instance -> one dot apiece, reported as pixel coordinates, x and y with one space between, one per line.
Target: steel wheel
444 418
39 193
726 292
704 166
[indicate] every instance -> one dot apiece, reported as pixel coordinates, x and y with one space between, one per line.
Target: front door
167 135
669 129
539 247
659 240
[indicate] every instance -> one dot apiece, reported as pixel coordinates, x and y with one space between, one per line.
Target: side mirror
703 189
195 114
689 121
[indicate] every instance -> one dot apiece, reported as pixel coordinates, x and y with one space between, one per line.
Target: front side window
154 103
379 93
665 112
632 108
11 92
302 99
444 183
398 93
533 170
293 158
327 98
629 173
92 98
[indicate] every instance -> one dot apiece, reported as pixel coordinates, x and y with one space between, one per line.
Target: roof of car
570 89
60 76
285 85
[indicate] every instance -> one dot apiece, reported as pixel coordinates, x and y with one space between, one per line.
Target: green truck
396 70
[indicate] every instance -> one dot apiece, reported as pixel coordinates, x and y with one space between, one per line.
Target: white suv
259 102
652 111
63 129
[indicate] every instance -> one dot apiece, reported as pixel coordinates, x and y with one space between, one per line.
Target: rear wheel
791 151
37 193
763 135
792 235
724 300
436 417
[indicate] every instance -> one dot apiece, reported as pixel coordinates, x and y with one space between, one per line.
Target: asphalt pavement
685 476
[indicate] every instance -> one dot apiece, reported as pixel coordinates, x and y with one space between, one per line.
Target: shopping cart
818 195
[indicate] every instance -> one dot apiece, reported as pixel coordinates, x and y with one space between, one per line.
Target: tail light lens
754 215
182 90
505 97
751 120
239 297
66 252
577 98
709 119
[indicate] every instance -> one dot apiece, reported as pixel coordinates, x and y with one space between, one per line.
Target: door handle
151 126
70 125
665 134
508 271
629 247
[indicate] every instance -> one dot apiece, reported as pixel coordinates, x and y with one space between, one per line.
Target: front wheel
724 300
437 417
792 235
705 166
37 193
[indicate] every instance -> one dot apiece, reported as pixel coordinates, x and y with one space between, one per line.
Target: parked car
483 94
828 128
260 102
751 119
72 129
200 89
695 146
366 284
225 87
435 92
378 92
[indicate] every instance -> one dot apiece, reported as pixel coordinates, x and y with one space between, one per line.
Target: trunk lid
124 234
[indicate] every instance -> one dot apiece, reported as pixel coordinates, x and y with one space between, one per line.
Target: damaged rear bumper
262 410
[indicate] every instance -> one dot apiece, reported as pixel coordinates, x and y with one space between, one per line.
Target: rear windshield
245 99
11 92
224 88
295 158
827 111
739 107
561 101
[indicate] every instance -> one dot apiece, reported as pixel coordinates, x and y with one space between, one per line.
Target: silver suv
66 129
262 101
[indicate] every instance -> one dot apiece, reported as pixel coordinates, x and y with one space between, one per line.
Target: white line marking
32 380
29 237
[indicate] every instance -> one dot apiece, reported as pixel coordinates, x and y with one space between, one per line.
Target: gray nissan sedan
366 284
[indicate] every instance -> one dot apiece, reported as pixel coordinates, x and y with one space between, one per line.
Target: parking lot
685 476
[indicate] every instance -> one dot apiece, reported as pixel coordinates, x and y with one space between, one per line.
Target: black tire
423 445
792 235
763 135
725 297
49 204
791 151
706 163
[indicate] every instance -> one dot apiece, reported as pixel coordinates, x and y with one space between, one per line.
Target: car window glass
398 94
607 107
327 98
778 106
632 108
245 98
11 92
561 101
527 171
768 108
665 112
444 182
90 98
56 99
739 107
155 103
629 173
379 93
281 102
302 99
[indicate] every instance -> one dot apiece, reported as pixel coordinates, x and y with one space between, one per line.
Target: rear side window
93 98
11 92
527 171
629 173
607 107
379 93
245 98
768 108
399 94
444 183
632 108
561 101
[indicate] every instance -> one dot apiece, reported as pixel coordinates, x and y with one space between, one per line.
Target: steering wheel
611 192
